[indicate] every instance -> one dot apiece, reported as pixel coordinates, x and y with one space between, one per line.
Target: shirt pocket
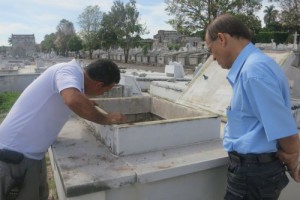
235 125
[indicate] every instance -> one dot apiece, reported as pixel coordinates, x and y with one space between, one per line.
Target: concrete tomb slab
154 124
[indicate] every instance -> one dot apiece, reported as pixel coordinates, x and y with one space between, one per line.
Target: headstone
52 54
273 44
131 87
197 69
40 63
174 69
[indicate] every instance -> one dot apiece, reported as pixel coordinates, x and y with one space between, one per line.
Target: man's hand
289 160
295 174
288 152
111 118
116 118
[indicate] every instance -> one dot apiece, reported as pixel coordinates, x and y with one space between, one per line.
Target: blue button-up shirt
260 111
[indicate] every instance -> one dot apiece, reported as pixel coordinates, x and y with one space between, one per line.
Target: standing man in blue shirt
260 135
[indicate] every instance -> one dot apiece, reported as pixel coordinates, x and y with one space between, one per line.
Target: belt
252 158
10 156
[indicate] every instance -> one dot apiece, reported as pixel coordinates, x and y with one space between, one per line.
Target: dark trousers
34 179
251 177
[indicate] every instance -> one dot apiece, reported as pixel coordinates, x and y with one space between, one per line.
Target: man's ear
100 84
222 38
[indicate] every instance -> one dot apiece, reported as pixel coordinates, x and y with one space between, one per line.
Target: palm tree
271 15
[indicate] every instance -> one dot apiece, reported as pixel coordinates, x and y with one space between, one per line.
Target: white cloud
154 17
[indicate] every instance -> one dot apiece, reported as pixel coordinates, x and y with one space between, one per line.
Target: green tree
172 46
75 44
107 35
65 30
251 21
3 50
124 21
48 43
271 15
290 15
190 16
145 49
90 23
9 40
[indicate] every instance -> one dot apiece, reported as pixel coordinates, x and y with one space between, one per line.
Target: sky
41 17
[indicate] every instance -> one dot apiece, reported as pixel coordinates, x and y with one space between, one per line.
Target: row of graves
187 57
158 57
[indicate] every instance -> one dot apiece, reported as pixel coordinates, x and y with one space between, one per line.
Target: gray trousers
34 174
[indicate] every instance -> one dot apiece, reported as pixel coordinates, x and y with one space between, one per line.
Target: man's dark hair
229 24
103 70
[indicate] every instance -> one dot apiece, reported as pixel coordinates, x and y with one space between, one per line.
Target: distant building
164 37
191 42
23 45
148 42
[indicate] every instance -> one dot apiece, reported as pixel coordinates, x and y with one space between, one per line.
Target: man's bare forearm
82 106
290 147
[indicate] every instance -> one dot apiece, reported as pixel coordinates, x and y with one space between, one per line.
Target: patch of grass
51 182
7 100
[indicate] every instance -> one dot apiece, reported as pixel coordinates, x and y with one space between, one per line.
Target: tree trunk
126 52
91 54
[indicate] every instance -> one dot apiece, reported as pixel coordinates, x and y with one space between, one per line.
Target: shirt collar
238 63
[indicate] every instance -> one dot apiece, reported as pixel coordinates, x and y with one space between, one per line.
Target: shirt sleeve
270 108
68 77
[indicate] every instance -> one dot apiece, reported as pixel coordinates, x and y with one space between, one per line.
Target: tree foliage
9 40
271 15
90 23
290 15
48 43
75 44
190 16
123 20
3 50
145 49
65 30
266 37
251 21
107 35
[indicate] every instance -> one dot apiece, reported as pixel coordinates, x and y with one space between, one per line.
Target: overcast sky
40 17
